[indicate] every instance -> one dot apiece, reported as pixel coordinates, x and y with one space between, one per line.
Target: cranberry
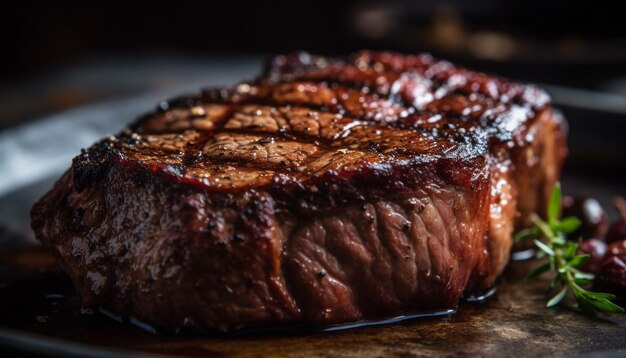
612 276
617 249
596 249
617 231
594 220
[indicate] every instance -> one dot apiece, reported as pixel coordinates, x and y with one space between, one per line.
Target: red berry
617 231
612 276
596 249
594 220
617 249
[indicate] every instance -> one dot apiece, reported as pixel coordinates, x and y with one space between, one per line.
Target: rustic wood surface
35 298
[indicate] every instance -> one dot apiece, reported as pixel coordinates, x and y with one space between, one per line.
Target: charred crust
76 222
208 186
90 164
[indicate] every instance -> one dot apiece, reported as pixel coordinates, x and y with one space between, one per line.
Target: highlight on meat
327 191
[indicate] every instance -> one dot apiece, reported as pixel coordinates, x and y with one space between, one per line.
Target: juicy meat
328 191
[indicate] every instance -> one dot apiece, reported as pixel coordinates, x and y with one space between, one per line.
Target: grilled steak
327 191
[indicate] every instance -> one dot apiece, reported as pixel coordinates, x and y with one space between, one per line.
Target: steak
327 191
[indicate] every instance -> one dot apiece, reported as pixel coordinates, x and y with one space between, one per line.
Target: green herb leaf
585 306
609 306
579 260
557 298
603 304
606 296
570 251
543 247
583 275
549 238
525 234
554 206
569 224
581 281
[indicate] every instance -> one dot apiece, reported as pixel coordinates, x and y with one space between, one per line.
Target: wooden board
38 306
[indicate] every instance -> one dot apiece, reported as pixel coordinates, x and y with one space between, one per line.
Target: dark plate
40 313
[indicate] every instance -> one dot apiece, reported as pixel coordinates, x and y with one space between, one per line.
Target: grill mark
330 148
285 173
486 116
365 64
435 131
267 98
299 136
325 144
354 82
507 91
338 109
390 75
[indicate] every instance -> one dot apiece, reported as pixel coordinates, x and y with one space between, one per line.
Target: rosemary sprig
564 260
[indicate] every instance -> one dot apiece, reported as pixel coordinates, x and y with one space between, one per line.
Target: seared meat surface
327 191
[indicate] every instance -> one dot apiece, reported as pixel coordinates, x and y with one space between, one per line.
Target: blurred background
59 54
74 71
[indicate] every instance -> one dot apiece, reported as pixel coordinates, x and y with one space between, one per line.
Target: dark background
42 35
52 50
